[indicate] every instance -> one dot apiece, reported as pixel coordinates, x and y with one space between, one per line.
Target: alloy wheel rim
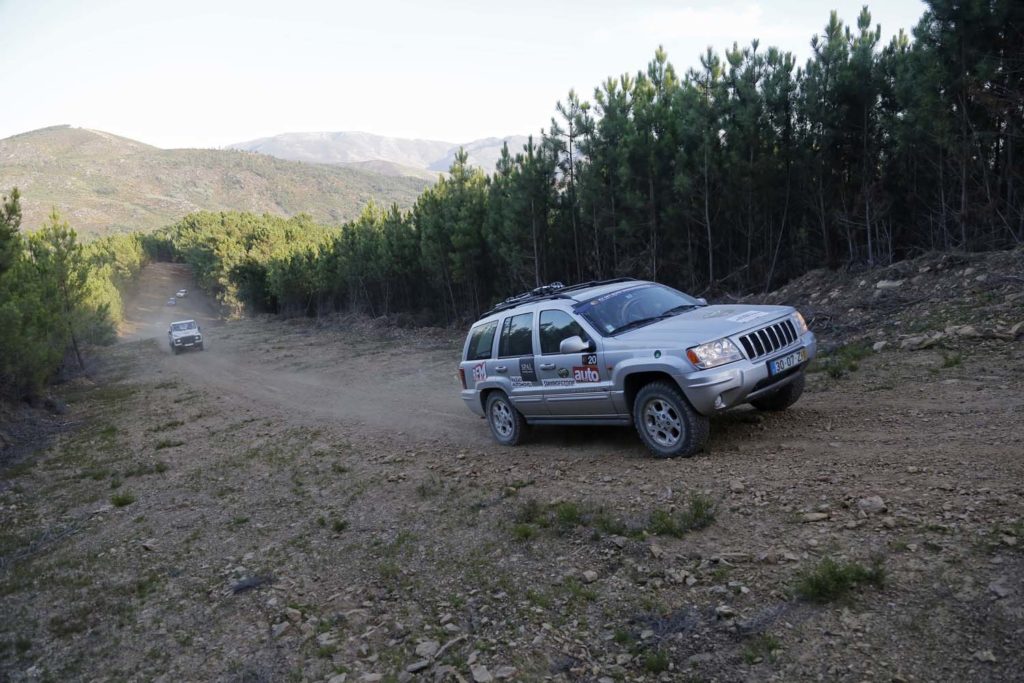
663 423
501 418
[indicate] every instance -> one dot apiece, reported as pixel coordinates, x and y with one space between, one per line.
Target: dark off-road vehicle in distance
185 334
624 351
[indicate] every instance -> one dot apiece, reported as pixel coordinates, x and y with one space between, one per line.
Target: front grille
187 340
768 340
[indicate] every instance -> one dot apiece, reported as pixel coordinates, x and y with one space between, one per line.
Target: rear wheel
783 398
667 424
507 424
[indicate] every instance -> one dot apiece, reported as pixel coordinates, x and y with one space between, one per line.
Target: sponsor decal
519 382
480 372
748 316
559 382
589 359
526 370
563 373
586 374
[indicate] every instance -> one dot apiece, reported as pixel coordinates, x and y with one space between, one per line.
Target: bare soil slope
312 502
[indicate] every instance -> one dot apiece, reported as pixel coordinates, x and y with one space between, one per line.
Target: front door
574 384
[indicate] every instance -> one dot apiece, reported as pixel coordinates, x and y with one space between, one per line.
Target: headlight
713 354
199 337
801 324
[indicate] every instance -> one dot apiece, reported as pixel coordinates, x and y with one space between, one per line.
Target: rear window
481 341
517 336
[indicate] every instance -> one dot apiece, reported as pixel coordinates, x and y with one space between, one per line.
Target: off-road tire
783 398
507 424
201 347
667 423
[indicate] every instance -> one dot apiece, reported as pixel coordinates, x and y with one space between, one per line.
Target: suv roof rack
554 290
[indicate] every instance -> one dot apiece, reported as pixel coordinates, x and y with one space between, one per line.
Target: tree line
56 295
735 175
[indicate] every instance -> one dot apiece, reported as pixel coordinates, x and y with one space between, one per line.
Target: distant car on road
182 293
625 351
185 334
172 301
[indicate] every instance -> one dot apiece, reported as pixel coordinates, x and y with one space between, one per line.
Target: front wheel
507 424
783 398
667 424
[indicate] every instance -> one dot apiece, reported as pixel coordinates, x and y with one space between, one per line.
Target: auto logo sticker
526 370
586 374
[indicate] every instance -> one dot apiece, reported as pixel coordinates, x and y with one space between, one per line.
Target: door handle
547 366
501 368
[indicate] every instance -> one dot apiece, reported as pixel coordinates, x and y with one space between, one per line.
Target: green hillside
103 183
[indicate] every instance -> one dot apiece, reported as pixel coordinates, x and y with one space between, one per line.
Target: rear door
575 384
516 362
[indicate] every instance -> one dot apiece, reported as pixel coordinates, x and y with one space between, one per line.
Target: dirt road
304 502
406 384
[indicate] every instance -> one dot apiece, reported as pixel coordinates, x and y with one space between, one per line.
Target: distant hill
104 183
346 148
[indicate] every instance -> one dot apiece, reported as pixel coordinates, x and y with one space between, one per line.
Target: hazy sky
206 73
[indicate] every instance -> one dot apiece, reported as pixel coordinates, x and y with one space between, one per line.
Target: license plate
787 362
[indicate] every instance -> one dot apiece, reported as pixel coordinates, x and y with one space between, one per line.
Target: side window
481 341
556 326
517 336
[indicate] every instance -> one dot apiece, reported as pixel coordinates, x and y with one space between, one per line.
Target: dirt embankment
312 502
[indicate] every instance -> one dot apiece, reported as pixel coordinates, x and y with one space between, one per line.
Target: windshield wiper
681 308
640 322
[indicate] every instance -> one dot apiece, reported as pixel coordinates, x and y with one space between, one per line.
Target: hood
706 323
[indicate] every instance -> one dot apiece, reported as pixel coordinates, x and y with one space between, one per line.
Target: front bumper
710 391
187 342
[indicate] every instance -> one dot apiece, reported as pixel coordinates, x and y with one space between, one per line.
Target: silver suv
620 352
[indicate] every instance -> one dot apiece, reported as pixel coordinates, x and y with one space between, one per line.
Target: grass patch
237 522
339 525
952 360
759 648
699 513
167 425
122 499
843 360
830 580
542 600
531 517
429 488
168 443
656 662
578 591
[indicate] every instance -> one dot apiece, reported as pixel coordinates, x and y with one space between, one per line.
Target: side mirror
702 301
574 344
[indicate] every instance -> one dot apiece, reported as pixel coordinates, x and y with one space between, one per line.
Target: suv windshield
634 307
181 327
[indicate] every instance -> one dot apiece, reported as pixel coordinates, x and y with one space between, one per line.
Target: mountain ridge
102 182
350 147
